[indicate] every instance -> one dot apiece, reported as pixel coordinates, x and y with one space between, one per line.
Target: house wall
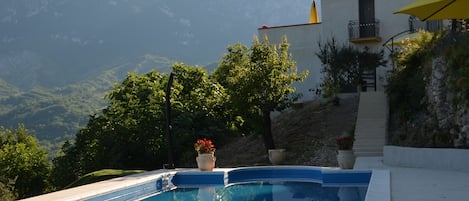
336 15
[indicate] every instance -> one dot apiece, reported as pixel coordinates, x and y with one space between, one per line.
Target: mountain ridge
57 113
59 57
55 42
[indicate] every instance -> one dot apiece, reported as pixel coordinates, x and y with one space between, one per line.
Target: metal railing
415 25
357 29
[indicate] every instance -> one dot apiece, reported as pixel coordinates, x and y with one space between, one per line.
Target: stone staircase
371 124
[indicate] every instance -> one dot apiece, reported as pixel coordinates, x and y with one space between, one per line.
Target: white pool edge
379 188
100 188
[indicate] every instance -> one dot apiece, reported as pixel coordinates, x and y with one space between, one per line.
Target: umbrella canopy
313 14
437 9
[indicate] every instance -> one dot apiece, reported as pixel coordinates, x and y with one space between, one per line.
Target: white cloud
185 22
167 11
7 19
57 14
137 9
8 39
76 40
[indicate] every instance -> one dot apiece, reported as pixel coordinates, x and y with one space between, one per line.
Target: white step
371 124
368 154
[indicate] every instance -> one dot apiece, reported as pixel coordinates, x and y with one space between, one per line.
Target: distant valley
56 113
59 57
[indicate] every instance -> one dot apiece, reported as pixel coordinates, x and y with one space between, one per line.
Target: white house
369 23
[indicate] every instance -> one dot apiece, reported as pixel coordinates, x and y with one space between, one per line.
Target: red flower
344 142
204 146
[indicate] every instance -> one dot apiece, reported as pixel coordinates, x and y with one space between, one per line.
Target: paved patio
420 184
406 183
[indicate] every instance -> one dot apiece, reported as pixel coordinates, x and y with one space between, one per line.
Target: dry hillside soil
307 132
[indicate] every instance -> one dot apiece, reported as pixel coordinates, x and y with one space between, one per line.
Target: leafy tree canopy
23 161
130 133
5 193
406 84
258 81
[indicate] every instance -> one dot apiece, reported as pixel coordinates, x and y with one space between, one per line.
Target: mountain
55 114
59 57
7 89
57 42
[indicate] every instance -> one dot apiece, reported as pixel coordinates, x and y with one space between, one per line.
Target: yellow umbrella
437 9
313 14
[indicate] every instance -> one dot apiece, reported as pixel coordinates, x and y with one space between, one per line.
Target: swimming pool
252 191
250 183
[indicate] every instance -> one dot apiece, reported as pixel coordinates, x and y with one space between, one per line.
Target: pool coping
99 188
378 189
380 186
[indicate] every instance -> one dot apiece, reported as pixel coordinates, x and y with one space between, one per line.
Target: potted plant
276 156
345 155
206 154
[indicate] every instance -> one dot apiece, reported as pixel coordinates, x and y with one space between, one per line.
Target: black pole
169 129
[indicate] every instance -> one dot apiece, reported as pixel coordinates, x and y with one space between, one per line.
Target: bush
6 192
344 65
24 161
406 84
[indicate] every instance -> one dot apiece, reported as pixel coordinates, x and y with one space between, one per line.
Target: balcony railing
364 32
415 25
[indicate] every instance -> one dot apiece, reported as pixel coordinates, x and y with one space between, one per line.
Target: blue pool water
264 191
264 183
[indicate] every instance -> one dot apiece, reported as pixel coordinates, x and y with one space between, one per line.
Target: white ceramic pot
277 156
346 159
206 162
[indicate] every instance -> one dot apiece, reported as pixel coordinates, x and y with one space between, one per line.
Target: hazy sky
76 33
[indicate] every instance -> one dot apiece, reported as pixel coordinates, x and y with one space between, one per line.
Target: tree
198 110
130 133
258 81
65 167
23 161
199 102
6 189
